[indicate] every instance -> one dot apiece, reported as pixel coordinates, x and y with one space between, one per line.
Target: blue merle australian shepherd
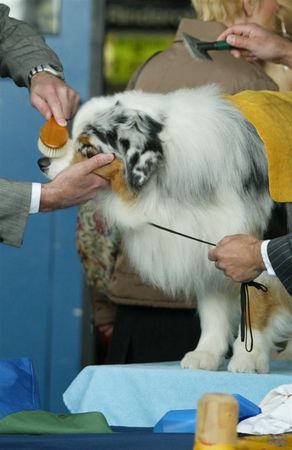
188 161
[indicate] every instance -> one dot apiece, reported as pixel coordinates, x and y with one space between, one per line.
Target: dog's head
107 125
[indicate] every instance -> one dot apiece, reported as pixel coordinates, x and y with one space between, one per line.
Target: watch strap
53 70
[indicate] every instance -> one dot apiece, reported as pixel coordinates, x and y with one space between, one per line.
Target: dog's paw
200 360
249 363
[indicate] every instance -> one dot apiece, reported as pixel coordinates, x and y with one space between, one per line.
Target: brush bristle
53 152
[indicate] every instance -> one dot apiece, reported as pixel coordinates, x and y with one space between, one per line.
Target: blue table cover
139 395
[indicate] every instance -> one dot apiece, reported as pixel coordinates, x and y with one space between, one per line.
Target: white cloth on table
276 416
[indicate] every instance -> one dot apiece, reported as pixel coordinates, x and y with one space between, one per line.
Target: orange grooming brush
54 139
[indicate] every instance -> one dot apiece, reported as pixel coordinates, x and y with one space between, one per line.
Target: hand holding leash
239 257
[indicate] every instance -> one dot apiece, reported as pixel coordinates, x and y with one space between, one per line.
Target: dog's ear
132 136
143 151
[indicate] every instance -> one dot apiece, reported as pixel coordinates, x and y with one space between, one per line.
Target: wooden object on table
217 419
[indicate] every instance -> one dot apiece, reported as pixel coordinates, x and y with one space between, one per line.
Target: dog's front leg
218 315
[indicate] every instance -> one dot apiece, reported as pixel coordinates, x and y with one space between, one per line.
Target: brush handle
53 135
216 45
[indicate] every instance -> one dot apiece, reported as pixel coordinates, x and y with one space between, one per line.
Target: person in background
140 323
243 257
281 73
25 57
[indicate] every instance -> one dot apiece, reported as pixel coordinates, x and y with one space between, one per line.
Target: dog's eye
86 148
89 151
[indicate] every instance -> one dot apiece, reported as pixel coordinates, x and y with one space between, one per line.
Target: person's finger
223 36
96 162
41 105
56 108
95 181
69 100
243 30
236 53
211 255
237 41
217 264
74 102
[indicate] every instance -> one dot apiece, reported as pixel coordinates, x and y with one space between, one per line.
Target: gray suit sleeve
280 255
15 200
21 49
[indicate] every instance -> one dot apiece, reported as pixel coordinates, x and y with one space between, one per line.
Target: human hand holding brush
253 42
51 96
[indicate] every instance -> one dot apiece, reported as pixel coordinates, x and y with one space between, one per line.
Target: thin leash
180 234
245 321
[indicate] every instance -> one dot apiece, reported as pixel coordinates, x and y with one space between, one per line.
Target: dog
188 161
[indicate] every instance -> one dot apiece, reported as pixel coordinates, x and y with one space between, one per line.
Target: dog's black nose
44 163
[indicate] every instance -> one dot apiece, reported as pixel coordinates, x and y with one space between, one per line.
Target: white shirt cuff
35 198
265 257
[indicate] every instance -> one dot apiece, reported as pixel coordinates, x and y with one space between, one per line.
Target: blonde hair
218 10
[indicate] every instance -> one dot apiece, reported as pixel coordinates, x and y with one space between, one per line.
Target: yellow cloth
271 114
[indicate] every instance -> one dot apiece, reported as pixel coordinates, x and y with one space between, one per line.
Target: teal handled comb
199 49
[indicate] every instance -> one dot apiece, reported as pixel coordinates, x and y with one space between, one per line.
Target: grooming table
138 395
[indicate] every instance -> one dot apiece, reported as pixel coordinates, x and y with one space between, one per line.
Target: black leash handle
245 321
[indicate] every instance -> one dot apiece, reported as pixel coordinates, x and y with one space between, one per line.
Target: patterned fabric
97 246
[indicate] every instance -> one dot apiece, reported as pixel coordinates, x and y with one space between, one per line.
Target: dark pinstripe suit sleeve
280 255
15 200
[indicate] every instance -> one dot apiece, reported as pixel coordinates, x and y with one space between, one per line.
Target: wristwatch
50 68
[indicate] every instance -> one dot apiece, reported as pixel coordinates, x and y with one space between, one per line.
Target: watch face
57 69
